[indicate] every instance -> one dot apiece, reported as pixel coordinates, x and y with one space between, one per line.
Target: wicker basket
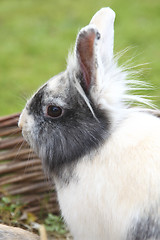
21 173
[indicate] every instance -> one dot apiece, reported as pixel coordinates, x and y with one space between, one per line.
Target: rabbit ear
85 52
89 53
104 21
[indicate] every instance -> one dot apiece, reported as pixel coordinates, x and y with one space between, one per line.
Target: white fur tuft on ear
104 21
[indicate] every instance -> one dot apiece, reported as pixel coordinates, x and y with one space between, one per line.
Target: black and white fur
103 155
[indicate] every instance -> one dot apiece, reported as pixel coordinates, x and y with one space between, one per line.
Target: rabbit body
104 156
116 194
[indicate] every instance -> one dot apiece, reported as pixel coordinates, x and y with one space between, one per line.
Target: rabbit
102 153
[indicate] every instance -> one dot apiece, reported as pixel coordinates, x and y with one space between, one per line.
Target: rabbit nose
20 124
21 120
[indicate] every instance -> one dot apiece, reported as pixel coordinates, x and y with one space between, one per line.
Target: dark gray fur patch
145 229
61 142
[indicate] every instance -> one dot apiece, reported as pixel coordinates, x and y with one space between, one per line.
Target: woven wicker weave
21 171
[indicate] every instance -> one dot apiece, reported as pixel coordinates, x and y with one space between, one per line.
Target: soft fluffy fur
104 156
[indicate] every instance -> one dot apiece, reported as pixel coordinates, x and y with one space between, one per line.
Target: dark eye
54 111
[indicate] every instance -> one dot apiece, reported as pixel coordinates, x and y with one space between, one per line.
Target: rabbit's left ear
104 21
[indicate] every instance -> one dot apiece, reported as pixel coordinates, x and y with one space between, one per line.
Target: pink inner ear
85 53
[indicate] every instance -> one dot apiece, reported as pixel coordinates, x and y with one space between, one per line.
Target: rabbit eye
54 111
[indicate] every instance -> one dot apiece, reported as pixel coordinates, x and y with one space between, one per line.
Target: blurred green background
35 36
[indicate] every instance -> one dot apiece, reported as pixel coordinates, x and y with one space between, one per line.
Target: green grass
35 36
12 213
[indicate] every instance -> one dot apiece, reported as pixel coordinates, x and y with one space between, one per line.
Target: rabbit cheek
68 139
62 142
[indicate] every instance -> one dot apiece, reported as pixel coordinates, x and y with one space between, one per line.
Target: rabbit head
74 112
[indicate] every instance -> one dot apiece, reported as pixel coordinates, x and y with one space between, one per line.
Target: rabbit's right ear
94 46
86 54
